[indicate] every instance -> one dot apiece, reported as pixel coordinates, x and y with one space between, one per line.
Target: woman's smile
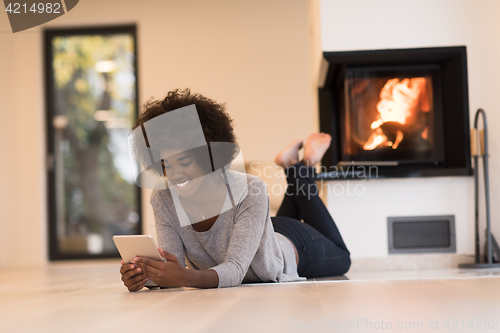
182 184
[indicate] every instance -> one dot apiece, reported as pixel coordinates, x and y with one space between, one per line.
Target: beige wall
257 56
22 190
6 131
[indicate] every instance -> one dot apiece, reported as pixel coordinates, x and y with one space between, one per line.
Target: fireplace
404 111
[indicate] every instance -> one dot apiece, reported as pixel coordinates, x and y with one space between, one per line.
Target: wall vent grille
421 234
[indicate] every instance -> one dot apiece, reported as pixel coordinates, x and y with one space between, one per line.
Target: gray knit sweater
241 246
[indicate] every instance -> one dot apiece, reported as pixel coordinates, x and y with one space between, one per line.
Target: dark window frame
48 34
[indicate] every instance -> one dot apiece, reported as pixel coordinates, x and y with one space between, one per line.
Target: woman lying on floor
229 237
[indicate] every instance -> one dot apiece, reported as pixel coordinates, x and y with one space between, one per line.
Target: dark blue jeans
322 251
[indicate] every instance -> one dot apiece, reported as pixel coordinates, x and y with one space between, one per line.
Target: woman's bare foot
316 146
289 155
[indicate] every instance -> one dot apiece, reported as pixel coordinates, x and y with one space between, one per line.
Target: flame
425 133
399 138
375 140
398 101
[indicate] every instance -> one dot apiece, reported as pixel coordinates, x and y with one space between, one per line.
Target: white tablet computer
131 246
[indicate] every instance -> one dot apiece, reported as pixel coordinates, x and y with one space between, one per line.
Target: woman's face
184 173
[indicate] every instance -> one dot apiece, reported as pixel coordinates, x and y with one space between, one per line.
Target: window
91 94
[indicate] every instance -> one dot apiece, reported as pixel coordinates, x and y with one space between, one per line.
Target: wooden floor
89 297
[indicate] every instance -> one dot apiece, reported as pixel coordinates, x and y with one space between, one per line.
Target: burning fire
399 100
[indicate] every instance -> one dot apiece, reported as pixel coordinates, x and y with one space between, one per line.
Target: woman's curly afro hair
216 124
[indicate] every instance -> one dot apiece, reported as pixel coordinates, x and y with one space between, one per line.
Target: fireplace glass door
392 114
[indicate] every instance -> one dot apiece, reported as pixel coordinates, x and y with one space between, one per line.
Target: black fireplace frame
455 108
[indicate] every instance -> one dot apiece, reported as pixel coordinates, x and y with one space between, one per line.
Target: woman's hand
132 276
166 274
